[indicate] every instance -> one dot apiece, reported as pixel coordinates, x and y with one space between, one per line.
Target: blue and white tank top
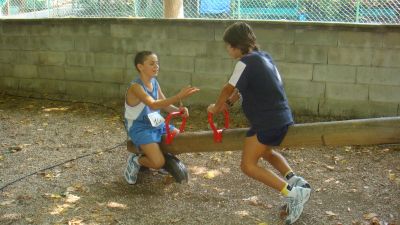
138 114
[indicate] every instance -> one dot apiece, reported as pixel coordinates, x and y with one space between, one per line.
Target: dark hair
141 57
240 35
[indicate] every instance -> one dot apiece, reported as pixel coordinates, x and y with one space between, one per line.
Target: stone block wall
328 69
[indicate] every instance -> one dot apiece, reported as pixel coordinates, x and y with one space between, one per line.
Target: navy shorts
271 137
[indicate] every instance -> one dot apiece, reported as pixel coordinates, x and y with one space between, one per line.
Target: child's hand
187 91
211 108
185 111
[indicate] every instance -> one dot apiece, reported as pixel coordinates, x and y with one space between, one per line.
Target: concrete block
7 56
144 31
113 75
295 71
124 45
110 90
82 90
391 40
386 58
214 66
360 39
216 49
53 43
273 35
306 54
160 47
316 37
18 43
42 86
52 58
15 29
205 96
304 106
6 70
350 56
51 72
99 30
334 73
9 83
384 93
356 109
276 51
378 75
25 71
187 48
80 59
130 74
346 91
172 82
73 29
177 63
78 73
304 89
208 80
40 30
109 60
200 32
219 29
26 57
103 44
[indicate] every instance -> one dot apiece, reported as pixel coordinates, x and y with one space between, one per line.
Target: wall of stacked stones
328 69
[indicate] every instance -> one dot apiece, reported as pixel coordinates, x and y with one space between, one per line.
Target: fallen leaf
72 198
211 174
369 216
330 167
330 213
9 202
75 222
253 200
242 213
116 205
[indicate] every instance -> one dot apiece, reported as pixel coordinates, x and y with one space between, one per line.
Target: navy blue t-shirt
264 100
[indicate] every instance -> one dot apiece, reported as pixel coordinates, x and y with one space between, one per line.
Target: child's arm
137 91
173 108
226 92
235 96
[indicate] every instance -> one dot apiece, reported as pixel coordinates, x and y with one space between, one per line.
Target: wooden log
336 133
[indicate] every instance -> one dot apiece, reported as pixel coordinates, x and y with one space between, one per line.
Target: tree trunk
337 133
173 9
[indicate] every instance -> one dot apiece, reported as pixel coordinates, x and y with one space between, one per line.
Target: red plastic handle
170 136
218 132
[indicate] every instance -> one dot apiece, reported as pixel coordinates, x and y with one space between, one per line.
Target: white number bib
155 119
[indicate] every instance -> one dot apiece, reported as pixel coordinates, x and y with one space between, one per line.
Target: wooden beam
337 133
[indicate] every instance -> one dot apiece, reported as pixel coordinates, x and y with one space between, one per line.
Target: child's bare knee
158 163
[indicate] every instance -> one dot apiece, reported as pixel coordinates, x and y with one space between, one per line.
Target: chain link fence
352 11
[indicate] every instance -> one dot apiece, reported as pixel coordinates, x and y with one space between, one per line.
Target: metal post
357 11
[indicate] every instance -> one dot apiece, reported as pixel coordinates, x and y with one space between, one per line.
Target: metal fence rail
352 11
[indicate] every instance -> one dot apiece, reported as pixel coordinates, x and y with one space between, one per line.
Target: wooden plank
336 133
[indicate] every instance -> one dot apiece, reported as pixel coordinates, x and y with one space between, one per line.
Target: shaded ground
351 184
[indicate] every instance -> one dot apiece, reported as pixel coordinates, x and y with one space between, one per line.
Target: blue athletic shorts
271 137
147 136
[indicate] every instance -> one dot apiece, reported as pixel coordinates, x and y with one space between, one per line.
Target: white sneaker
298 181
298 196
132 169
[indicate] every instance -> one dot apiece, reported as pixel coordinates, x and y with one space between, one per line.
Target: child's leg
152 157
277 161
252 152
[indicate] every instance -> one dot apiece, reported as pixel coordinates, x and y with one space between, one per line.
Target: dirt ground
62 163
